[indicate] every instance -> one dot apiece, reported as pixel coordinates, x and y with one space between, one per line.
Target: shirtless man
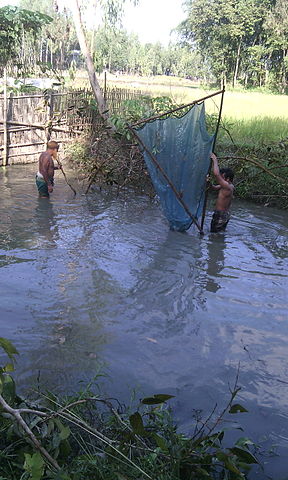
45 174
225 187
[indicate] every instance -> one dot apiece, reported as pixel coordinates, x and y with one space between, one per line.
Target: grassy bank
254 132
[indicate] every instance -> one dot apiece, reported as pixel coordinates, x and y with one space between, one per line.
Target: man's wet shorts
219 221
42 185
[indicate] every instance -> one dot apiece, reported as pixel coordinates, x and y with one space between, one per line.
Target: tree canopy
240 42
16 24
243 39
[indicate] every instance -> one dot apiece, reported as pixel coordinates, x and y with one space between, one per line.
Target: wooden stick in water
64 175
210 165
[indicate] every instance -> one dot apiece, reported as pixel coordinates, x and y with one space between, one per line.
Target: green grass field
252 118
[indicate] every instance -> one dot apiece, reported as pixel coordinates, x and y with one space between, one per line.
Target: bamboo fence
28 121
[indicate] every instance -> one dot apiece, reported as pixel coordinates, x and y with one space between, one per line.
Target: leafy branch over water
90 437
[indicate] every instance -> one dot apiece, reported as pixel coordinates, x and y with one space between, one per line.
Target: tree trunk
246 80
284 81
51 53
109 59
237 65
62 56
92 43
223 79
89 62
267 72
40 50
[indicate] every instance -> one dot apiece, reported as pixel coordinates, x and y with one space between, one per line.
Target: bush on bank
89 437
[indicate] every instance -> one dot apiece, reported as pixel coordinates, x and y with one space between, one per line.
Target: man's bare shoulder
45 156
45 160
227 186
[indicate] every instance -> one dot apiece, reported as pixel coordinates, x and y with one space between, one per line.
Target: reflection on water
215 261
46 223
101 281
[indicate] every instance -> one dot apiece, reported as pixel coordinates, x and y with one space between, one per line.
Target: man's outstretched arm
223 183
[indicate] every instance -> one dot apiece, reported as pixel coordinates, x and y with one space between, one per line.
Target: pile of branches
107 159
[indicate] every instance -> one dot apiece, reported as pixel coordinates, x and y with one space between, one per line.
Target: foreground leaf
136 423
237 408
244 455
156 399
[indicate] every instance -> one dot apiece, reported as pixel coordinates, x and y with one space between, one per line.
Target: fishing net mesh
182 147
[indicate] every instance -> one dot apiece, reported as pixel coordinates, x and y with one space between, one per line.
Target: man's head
227 174
53 148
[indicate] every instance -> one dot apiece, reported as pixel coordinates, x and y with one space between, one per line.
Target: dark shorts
42 186
219 221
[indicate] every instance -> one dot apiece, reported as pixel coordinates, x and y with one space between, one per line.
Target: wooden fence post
49 117
5 126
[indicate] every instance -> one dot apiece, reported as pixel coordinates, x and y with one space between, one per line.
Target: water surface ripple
99 280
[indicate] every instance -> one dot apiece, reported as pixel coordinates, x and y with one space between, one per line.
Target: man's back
46 166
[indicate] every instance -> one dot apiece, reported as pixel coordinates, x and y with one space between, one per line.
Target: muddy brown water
99 283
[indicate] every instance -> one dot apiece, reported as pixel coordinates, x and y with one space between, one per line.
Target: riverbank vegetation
88 436
254 146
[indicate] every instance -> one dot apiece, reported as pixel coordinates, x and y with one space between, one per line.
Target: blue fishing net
182 147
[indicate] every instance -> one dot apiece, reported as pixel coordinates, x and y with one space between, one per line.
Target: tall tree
223 30
277 41
112 10
88 59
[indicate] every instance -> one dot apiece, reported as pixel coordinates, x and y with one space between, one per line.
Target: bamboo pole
158 166
155 117
15 155
33 144
16 130
210 165
5 126
40 127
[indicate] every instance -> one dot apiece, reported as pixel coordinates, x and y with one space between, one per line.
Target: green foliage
259 162
78 152
121 52
16 23
34 466
244 40
7 386
134 110
57 41
80 440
